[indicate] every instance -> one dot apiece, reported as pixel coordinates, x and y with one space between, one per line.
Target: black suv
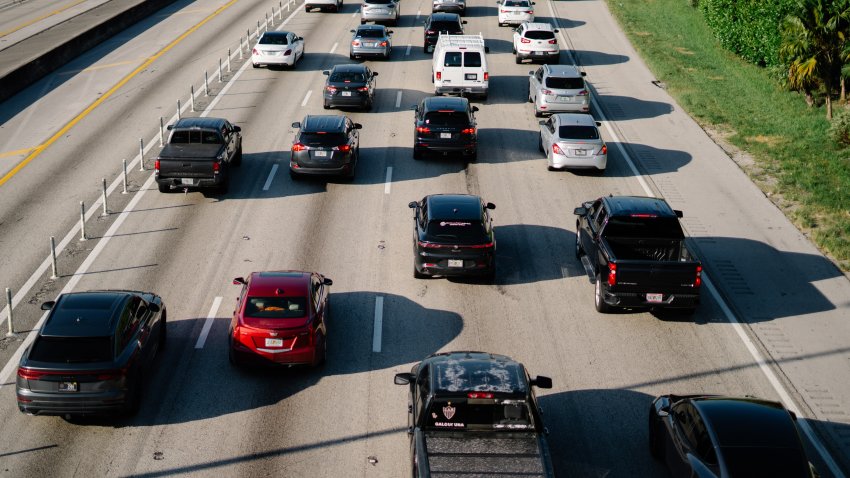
349 85
453 235
445 23
325 144
445 125
91 354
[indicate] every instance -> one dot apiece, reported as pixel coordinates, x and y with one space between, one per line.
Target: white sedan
572 140
277 48
514 12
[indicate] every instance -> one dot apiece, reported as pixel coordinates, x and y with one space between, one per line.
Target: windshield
273 40
457 231
195 137
539 35
643 227
276 307
479 414
72 349
565 83
578 132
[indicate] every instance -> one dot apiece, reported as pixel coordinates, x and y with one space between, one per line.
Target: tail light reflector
383 43
363 88
612 274
479 395
287 52
486 76
553 41
504 11
524 40
557 149
331 89
355 43
298 147
216 166
582 93
439 75
423 129
603 150
468 131
430 32
428 245
343 148
30 374
698 279
488 245
255 52
156 165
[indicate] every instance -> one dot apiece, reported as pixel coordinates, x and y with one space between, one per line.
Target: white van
460 65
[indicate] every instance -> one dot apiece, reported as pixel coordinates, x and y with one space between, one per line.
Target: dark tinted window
370 33
87 302
196 137
655 227
453 58
451 27
578 132
273 40
446 118
276 307
539 35
348 77
459 231
489 415
72 349
516 3
765 462
381 2
323 139
472 58
565 83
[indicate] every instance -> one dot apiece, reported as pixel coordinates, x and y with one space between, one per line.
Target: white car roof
538 26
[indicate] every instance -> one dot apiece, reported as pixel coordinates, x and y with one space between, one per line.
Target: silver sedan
572 140
380 11
371 41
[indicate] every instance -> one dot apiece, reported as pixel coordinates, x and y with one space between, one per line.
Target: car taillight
468 131
30 374
603 149
111 375
430 32
528 11
612 274
486 76
423 129
488 245
439 75
298 147
557 149
355 43
546 92
698 279
331 89
582 93
255 52
428 245
504 11
524 40
156 165
479 395
363 88
216 166
553 41
287 52
344 148
383 43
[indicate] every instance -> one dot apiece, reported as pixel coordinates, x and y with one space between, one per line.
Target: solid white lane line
763 364
306 98
389 181
418 12
379 324
407 51
270 178
398 99
333 48
202 339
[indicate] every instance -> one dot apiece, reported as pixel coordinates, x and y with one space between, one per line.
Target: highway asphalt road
770 325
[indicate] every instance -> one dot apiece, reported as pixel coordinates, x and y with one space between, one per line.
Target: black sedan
325 144
715 436
92 353
453 236
349 86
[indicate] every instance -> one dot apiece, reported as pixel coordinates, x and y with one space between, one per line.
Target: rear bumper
538 55
197 183
250 356
636 299
438 265
449 7
287 60
353 100
370 51
435 147
40 403
345 169
379 17
515 20
545 106
594 161
458 89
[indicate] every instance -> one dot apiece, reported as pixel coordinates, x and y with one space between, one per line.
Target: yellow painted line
46 15
17 152
40 148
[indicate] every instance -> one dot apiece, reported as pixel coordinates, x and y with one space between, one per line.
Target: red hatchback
280 318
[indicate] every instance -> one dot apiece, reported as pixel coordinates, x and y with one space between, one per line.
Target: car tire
223 187
231 356
537 114
164 188
513 49
417 153
295 176
237 158
351 57
601 306
490 276
417 274
322 357
426 50
326 106
163 331
540 144
656 448
133 402
484 96
473 157
518 60
362 22
255 65
578 250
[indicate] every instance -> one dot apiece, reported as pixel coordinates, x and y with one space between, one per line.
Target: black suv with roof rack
92 353
445 125
453 236
325 144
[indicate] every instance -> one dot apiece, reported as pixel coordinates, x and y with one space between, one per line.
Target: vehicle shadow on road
650 160
621 108
473 11
508 89
520 256
597 58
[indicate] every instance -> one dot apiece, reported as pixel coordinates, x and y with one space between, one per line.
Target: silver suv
454 6
558 89
379 11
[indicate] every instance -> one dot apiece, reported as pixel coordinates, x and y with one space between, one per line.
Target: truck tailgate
649 276
196 161
485 456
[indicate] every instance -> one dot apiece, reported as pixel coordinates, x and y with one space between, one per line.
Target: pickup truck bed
485 455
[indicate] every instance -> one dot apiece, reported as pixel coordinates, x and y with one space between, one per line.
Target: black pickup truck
199 155
634 249
475 414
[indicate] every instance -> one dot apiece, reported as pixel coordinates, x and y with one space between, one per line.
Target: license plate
654 297
68 386
382 12
565 99
321 154
346 93
369 43
471 76
455 262
187 181
274 342
580 152
445 135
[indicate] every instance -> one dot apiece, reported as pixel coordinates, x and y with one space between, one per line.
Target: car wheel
223 187
417 274
164 188
255 65
537 114
362 22
417 153
368 105
163 331
540 144
601 306
133 400
518 60
231 356
237 158
579 251
326 106
295 176
322 354
473 156
656 445
351 56
513 49
490 276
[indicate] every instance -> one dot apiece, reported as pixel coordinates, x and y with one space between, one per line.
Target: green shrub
839 129
748 28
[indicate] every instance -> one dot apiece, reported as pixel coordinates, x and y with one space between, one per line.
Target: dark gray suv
325 144
92 354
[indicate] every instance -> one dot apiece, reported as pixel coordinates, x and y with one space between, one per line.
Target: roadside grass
796 164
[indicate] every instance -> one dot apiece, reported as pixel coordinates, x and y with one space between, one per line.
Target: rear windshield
323 139
72 349
195 137
516 3
348 77
273 40
539 35
578 132
276 307
381 2
484 415
458 231
565 83
370 33
451 27
472 58
446 118
643 227
453 58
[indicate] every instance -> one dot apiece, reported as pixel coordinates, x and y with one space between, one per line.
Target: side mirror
598 123
474 109
170 127
352 31
531 73
412 205
403 378
327 281
153 308
556 30
296 124
238 129
490 205
541 122
389 32
374 73
486 49
358 126
239 281
463 22
679 213
580 211
48 305
326 72
541 382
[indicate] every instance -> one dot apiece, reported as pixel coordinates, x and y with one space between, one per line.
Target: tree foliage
749 28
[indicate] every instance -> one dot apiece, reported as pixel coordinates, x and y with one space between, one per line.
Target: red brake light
557 149
698 279
30 374
468 131
486 76
479 395
428 245
429 32
553 41
156 165
344 148
287 52
546 92
423 129
504 11
603 150
439 75
643 215
488 245
363 88
582 93
524 40
254 52
355 42
298 147
612 274
331 89
383 43
216 166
